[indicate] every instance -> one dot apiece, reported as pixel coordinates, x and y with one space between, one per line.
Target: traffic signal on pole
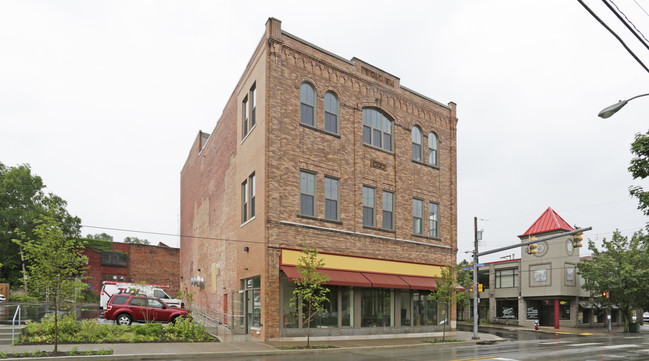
471 289
605 294
480 287
577 239
532 248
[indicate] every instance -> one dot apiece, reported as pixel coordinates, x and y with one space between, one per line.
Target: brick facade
144 263
279 146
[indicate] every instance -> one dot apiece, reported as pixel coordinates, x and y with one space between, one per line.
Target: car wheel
123 320
174 319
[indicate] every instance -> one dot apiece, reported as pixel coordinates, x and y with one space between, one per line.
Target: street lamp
612 109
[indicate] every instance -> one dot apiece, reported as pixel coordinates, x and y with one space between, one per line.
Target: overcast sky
104 99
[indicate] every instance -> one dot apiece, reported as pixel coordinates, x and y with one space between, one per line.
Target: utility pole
475 279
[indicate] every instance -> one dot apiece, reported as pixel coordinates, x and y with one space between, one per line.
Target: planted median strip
72 331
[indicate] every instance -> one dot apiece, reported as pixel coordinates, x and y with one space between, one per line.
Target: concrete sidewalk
229 349
600 331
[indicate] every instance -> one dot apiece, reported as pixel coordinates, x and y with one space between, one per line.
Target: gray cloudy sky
104 98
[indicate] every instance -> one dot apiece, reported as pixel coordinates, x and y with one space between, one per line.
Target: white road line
612 347
554 342
585 344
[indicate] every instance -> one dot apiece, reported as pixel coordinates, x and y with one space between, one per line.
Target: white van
110 288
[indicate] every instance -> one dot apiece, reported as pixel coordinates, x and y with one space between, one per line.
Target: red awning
420 283
338 278
382 280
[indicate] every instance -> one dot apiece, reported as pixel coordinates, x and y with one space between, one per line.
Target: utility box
4 290
634 327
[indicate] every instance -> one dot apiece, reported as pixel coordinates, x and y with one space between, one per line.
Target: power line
626 22
615 35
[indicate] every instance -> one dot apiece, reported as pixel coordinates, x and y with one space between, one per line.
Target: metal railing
213 318
18 314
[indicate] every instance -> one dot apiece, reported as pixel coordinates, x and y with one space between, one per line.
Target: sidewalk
229 349
600 331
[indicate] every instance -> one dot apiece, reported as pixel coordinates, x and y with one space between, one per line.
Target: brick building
316 150
128 262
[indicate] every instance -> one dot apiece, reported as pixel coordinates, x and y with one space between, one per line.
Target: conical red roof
549 221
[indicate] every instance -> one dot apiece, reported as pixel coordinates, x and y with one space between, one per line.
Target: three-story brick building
314 150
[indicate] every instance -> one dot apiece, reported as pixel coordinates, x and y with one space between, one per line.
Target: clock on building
569 247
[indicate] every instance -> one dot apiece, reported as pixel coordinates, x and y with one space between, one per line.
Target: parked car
645 317
126 308
2 298
110 288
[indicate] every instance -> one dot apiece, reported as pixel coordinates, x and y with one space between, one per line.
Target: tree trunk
444 328
308 326
22 260
56 325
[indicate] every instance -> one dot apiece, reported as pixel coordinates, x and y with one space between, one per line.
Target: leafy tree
621 269
310 290
639 168
447 294
101 237
135 240
55 264
22 202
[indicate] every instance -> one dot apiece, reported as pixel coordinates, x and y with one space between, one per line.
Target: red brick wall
95 269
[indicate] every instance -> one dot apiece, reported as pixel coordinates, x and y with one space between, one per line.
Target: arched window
307 104
416 143
377 129
432 148
331 112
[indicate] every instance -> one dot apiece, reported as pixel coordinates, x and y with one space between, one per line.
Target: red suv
126 308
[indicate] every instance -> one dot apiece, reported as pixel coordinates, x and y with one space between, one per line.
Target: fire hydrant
536 325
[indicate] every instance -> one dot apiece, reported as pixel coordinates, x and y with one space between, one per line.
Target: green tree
310 290
621 268
447 293
100 237
639 168
55 264
135 240
22 201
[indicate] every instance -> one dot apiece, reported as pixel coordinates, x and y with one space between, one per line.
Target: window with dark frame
331 112
252 186
433 214
368 206
507 278
253 105
307 193
432 149
249 111
244 120
416 143
377 129
244 201
417 215
331 198
307 104
388 210
114 259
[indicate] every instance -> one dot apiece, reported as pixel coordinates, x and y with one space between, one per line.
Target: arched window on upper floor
331 112
377 129
307 104
416 143
432 149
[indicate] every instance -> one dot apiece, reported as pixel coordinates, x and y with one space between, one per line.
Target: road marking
554 342
585 344
613 347
486 358
585 334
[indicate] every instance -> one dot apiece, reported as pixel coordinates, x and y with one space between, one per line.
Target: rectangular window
417 215
507 278
306 112
377 307
251 180
347 303
388 210
114 259
405 308
307 194
244 201
424 310
433 214
253 105
244 117
368 206
331 198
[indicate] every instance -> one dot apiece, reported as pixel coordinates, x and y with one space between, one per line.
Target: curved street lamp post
612 109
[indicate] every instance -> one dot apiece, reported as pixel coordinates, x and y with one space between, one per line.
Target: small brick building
114 261
314 150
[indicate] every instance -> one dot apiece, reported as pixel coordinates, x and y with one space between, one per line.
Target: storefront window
564 309
290 317
507 309
376 307
329 317
405 308
507 278
347 305
424 309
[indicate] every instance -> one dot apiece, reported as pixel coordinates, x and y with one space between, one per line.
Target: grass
72 331
39 353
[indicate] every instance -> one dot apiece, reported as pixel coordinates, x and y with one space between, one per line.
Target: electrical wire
641 8
626 22
615 35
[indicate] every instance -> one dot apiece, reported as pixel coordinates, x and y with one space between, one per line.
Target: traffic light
577 238
480 287
605 295
471 289
531 248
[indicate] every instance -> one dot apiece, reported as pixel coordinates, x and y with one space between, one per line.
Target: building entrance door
546 314
246 307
